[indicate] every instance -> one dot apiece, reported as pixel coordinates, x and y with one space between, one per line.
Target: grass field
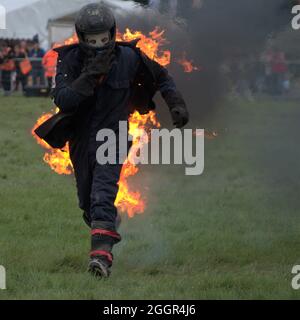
232 233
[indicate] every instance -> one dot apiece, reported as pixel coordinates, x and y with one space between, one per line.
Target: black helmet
95 18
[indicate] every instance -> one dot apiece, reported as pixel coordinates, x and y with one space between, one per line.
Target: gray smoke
226 30
212 34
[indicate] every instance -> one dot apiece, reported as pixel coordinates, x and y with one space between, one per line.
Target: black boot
103 239
87 219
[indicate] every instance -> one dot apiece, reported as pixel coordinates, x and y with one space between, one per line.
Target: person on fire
100 82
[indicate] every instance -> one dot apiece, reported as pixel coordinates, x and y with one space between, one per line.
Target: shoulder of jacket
132 44
65 51
69 58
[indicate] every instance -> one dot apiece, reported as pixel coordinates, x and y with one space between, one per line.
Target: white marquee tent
26 18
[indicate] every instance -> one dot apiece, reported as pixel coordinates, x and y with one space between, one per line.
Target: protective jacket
69 121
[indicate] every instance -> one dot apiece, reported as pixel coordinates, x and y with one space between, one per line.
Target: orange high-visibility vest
9 65
49 63
25 66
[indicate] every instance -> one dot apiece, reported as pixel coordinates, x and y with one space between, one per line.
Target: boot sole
97 269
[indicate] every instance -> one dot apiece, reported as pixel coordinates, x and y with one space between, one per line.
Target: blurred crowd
268 73
24 63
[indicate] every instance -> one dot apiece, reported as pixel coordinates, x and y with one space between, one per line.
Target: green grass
232 233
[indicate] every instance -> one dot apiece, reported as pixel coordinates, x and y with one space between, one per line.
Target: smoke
212 34
230 30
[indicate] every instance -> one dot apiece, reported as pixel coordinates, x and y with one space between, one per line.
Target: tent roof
11 5
25 18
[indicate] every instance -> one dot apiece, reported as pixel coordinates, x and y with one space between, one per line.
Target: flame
149 45
57 159
72 40
127 201
187 64
211 134
208 134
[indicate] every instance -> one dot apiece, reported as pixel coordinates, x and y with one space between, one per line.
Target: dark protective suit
130 84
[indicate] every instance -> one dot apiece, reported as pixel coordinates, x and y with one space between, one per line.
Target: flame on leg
128 201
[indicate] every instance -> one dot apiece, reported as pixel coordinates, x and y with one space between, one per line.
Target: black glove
177 108
100 64
95 68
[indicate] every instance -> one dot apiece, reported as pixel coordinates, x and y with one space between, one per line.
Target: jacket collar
65 49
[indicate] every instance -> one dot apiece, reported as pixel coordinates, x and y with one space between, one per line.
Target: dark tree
142 2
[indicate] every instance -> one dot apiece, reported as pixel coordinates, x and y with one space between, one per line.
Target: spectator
19 54
286 84
279 71
37 68
49 64
36 51
24 47
7 66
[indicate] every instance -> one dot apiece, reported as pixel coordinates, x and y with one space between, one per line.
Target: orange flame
149 45
207 134
187 64
57 159
72 40
127 201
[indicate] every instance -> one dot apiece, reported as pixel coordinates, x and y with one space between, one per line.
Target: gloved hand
177 108
180 116
92 73
100 64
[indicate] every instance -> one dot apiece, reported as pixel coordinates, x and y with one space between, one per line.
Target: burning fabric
100 82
